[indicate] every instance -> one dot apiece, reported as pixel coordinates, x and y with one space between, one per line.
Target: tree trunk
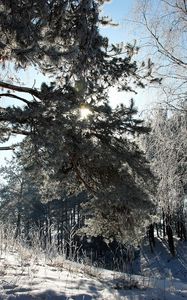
151 236
157 230
164 224
183 231
58 235
18 224
169 232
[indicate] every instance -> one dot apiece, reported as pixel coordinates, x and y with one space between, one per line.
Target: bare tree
165 41
165 148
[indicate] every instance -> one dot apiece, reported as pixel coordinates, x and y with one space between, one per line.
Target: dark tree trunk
50 231
78 215
151 236
62 227
183 231
62 235
164 224
157 230
177 225
74 214
169 232
18 226
49 225
58 236
27 232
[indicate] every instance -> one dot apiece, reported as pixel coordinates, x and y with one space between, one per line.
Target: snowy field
26 275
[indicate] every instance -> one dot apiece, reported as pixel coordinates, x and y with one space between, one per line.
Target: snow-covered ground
25 275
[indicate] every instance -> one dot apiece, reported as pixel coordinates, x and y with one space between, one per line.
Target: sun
84 112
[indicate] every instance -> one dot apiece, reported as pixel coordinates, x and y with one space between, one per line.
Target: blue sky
118 10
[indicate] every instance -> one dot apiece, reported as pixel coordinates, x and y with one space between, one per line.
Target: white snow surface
25 275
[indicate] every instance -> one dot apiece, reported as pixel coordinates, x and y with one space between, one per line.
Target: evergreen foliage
64 151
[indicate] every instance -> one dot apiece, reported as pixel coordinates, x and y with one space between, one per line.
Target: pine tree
21 204
96 153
